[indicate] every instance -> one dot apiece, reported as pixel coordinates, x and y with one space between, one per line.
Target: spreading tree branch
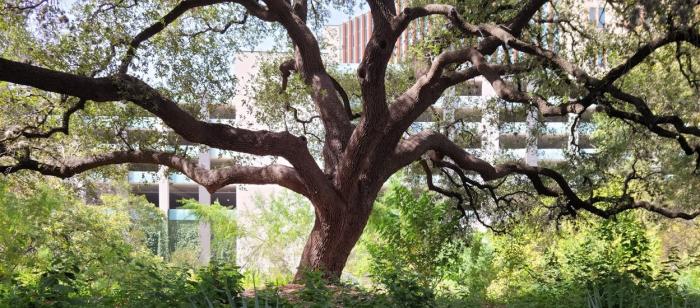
218 135
413 148
159 26
65 123
211 179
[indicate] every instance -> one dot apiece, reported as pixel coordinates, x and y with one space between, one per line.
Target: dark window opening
227 199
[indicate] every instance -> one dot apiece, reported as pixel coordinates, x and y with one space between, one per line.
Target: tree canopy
75 79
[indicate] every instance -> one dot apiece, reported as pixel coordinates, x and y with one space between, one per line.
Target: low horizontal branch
212 180
412 148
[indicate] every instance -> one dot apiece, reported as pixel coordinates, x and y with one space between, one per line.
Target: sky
337 17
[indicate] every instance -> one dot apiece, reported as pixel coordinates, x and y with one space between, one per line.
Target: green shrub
414 234
57 251
216 285
315 292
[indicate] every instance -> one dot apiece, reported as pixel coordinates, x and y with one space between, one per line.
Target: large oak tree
111 62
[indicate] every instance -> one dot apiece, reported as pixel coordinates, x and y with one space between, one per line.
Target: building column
163 190
490 144
164 205
531 158
204 199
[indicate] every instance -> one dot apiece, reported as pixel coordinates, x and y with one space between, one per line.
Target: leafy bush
57 251
216 285
315 290
415 243
421 257
224 228
601 263
276 239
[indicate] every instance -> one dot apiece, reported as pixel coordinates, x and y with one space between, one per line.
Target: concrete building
167 189
501 129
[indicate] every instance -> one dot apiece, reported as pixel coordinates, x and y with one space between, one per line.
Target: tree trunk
331 240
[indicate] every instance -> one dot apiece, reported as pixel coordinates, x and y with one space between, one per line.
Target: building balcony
143 177
189 215
151 177
552 155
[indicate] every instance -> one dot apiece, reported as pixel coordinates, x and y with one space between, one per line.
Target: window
600 58
596 16
226 198
175 198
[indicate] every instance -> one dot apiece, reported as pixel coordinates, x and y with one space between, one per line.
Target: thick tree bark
331 240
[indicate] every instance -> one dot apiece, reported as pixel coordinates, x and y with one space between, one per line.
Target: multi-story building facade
501 129
168 189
